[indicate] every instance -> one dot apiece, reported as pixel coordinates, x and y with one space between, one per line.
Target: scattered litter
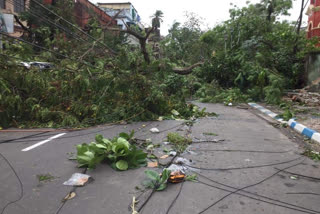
150 148
230 104
154 130
166 143
164 156
182 161
247 160
143 126
70 196
152 164
175 168
294 177
134 202
149 140
77 179
160 119
173 153
176 177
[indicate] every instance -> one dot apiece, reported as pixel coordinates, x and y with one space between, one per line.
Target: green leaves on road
118 152
155 181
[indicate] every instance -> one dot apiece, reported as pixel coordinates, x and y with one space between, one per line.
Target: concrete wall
313 69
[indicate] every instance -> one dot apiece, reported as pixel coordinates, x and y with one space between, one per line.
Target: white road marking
42 142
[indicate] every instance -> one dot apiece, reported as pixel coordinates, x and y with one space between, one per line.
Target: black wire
25 137
20 184
13 2
304 210
175 199
72 190
79 135
245 167
168 129
46 49
252 185
38 46
304 176
302 193
247 192
146 201
91 37
300 17
230 150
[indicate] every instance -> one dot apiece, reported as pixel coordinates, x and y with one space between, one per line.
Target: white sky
212 11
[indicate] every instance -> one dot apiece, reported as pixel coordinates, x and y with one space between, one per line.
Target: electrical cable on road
299 175
252 185
87 133
247 192
20 185
290 206
245 167
25 137
175 199
236 150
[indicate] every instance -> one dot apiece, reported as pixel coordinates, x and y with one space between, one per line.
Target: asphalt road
248 172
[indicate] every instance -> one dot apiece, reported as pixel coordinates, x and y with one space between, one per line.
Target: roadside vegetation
98 78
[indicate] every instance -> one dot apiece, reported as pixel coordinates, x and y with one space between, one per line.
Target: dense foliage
253 55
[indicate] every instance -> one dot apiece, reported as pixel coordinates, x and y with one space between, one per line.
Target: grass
179 142
316 114
312 154
210 133
44 177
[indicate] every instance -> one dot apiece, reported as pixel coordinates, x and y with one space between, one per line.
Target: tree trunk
144 51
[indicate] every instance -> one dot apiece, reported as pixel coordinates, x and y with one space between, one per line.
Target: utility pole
300 17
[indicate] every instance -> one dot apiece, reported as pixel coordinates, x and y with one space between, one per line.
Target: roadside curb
301 129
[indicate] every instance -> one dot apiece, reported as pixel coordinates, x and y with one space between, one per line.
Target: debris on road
152 164
70 196
175 168
134 202
294 177
182 161
172 153
164 156
77 179
154 130
176 177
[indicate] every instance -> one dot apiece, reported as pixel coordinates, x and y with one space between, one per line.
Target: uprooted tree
249 56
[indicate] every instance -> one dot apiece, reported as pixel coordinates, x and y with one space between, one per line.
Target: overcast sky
212 11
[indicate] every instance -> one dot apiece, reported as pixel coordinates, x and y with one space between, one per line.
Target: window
3 4
19 6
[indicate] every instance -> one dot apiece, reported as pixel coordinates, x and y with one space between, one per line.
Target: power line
46 49
79 29
48 21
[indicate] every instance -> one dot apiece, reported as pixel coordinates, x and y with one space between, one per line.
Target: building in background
313 30
128 16
314 19
84 11
8 10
